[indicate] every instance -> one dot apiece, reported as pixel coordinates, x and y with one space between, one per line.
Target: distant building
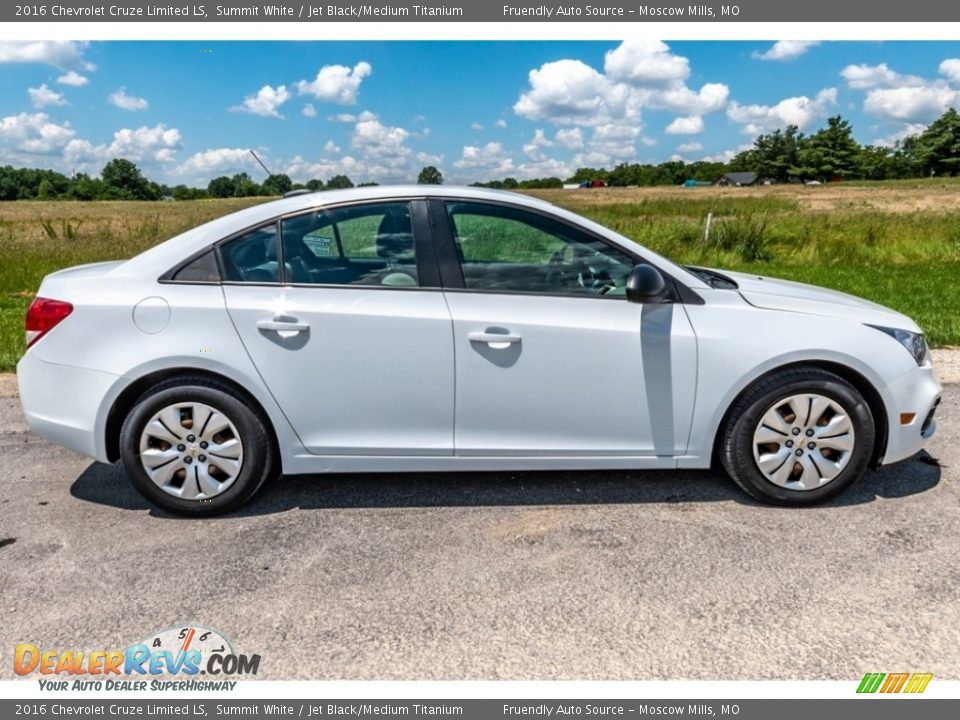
737 179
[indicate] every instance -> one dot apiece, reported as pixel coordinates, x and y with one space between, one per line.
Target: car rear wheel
798 437
193 447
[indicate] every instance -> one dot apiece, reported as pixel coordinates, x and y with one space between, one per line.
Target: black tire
259 457
736 450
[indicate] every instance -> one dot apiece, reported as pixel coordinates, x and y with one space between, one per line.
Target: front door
551 358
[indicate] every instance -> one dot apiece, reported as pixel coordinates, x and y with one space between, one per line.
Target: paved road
561 575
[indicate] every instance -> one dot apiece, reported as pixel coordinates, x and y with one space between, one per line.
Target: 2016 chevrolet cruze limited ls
428 328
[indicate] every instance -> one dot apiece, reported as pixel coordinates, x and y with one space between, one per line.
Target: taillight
43 316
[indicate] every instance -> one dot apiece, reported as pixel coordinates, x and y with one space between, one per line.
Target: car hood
788 296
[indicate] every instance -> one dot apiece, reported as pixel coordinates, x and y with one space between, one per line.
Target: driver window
503 249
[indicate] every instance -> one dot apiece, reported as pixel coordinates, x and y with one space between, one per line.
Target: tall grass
897 244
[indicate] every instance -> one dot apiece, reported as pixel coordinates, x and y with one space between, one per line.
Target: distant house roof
737 178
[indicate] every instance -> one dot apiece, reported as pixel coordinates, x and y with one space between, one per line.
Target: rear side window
202 269
252 257
356 245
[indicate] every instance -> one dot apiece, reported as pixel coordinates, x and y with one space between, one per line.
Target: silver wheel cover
191 451
803 442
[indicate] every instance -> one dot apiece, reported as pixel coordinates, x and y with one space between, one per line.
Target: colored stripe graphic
894 682
918 682
870 682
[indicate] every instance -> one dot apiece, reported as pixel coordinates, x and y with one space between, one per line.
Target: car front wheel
798 437
194 448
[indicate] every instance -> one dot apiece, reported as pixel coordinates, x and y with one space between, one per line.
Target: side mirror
646 285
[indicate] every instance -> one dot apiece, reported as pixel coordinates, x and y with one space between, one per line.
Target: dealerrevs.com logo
171 659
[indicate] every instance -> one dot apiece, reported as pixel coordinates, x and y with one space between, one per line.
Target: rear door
341 312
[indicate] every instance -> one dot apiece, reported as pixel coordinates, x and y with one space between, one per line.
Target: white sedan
437 329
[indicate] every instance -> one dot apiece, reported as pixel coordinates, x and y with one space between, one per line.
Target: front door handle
286 325
494 340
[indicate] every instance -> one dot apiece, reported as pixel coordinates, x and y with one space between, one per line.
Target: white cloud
331 148
157 144
490 158
476 126
336 83
501 123
911 103
534 148
784 50
685 126
609 144
43 96
58 53
645 62
204 166
727 155
265 102
73 79
950 69
33 134
127 102
493 161
903 132
571 92
648 141
905 98
865 77
712 97
380 142
309 111
637 75
429 159
801 111
570 138
689 147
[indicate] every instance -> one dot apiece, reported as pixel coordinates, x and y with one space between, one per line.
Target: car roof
176 249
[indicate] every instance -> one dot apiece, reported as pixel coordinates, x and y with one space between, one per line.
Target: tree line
784 155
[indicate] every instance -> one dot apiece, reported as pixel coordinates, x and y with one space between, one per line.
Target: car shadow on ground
107 485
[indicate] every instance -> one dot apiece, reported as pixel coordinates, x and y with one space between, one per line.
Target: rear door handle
290 325
494 339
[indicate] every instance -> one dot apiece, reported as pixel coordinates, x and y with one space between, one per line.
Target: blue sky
189 111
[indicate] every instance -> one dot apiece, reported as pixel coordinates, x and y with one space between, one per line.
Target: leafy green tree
277 184
182 192
830 153
875 162
776 155
339 182
123 180
244 186
221 187
937 149
314 185
84 187
46 191
430 175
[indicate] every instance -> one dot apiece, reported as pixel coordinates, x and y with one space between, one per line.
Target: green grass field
895 243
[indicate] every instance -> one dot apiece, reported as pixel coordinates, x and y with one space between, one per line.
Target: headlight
915 343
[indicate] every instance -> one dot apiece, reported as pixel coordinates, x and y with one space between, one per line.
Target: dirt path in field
946 361
907 197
